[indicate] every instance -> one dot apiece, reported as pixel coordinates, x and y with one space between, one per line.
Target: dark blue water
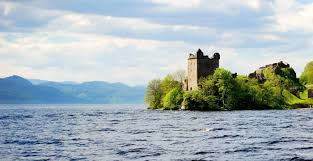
130 132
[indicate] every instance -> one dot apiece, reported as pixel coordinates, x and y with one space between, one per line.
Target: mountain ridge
16 89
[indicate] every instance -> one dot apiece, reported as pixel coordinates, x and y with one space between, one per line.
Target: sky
134 41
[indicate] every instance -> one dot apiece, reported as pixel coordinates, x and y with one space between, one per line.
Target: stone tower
200 66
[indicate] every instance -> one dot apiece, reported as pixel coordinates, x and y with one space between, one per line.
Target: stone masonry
200 66
258 74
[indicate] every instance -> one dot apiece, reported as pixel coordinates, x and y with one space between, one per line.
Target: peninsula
207 87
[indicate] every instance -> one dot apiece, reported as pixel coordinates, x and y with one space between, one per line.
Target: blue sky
133 41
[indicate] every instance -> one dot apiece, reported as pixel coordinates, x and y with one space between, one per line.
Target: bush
169 83
158 89
307 76
196 100
154 94
173 99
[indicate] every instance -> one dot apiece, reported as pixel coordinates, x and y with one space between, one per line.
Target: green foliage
279 89
154 94
215 93
295 101
173 99
204 99
290 81
289 73
169 83
224 82
224 92
166 93
244 94
307 76
197 100
304 94
283 78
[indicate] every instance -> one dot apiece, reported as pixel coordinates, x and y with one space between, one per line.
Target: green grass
309 86
294 100
304 95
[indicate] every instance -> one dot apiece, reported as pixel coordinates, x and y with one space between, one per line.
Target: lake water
130 132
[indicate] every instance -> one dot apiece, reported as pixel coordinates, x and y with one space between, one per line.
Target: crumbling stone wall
258 74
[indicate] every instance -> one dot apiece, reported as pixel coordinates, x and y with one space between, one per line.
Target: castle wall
192 74
207 67
200 66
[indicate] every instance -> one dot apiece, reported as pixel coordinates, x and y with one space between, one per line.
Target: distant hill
100 92
39 81
16 89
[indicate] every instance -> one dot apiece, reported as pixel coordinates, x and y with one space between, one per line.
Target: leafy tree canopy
279 88
154 94
307 76
173 99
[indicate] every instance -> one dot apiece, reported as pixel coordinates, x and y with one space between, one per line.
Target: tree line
224 91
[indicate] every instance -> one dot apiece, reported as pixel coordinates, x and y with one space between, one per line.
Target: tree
197 100
307 76
179 75
169 83
225 84
223 91
154 94
173 99
243 94
208 87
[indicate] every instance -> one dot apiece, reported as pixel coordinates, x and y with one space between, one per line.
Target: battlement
200 55
200 66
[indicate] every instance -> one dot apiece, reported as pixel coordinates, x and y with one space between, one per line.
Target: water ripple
130 132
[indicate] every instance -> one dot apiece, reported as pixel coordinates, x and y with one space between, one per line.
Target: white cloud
293 16
7 8
253 4
96 57
89 57
179 3
214 5
66 45
73 22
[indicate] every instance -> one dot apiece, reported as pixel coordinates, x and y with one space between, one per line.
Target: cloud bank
135 41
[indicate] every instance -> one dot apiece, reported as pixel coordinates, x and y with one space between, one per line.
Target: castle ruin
259 74
200 66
